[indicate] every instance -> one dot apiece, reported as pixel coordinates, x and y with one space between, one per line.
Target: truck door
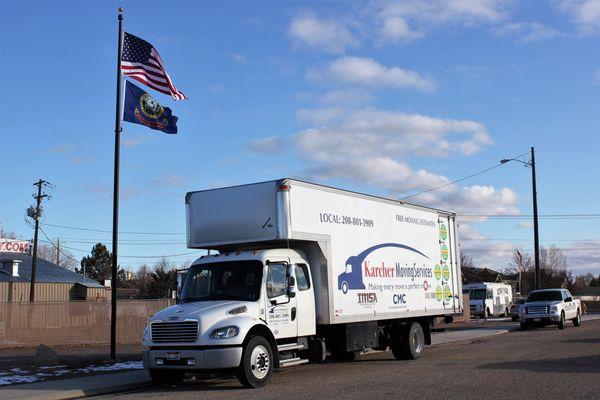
282 314
449 262
305 301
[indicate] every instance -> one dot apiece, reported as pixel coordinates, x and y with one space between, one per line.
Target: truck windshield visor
236 280
544 296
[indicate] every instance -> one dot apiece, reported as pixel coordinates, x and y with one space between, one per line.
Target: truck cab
226 299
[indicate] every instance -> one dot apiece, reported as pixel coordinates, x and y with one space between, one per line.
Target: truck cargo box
371 258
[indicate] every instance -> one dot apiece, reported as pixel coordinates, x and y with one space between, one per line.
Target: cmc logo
399 298
367 298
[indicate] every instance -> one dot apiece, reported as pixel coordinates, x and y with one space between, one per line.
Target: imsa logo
367 298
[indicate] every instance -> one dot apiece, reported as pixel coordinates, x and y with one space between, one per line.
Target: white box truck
489 299
303 270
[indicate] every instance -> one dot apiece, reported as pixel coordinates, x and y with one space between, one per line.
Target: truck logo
399 298
352 277
367 298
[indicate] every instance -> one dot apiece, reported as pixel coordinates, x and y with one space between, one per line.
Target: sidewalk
77 387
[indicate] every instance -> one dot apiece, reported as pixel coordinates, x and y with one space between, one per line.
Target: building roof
46 271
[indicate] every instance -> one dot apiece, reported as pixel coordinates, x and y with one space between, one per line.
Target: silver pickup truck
550 306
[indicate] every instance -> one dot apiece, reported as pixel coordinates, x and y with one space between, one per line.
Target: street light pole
536 238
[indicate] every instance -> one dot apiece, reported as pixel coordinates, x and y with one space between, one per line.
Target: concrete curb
81 393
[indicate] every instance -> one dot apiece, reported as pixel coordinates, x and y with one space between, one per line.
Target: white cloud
396 29
442 12
406 20
267 145
322 34
319 116
371 133
346 97
584 13
483 200
528 32
238 58
525 225
369 73
583 257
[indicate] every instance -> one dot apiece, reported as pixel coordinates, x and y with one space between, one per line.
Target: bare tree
466 261
50 253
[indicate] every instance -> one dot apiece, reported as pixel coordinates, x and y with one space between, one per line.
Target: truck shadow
585 364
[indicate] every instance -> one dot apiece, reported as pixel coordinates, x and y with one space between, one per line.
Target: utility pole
58 252
536 238
38 206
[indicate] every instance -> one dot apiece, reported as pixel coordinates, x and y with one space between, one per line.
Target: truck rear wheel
256 367
408 342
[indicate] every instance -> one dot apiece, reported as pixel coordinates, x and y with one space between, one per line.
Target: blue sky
389 98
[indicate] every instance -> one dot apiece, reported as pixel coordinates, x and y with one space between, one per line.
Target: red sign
14 246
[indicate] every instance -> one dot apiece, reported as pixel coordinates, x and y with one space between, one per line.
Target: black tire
524 326
256 366
344 287
166 377
411 343
561 322
577 319
514 318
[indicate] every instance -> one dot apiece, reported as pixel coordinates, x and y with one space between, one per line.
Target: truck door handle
293 313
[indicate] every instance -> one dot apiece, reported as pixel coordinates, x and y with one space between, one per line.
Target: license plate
538 320
174 355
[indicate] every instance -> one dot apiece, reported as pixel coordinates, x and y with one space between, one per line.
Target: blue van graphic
352 277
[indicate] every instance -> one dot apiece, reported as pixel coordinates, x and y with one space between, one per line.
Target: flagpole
115 232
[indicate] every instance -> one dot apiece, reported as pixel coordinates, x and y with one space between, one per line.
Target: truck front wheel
408 342
561 322
256 367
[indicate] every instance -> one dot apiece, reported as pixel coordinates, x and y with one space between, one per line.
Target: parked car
550 306
514 309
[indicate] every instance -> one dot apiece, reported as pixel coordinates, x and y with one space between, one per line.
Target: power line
129 256
458 180
107 231
57 249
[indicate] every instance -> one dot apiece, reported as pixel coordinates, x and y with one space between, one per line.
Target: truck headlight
553 309
225 332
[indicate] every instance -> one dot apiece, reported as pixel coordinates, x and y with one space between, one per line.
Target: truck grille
536 310
167 332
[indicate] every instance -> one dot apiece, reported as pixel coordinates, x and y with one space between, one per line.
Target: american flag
142 62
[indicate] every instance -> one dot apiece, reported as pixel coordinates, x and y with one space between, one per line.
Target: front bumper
543 318
207 359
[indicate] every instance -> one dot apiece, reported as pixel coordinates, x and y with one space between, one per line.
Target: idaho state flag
141 108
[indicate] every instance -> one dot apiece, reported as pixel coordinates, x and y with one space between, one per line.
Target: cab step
291 362
289 347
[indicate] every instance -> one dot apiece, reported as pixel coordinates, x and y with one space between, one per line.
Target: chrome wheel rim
259 362
417 341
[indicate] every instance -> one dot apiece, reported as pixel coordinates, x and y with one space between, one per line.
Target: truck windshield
237 280
476 294
550 295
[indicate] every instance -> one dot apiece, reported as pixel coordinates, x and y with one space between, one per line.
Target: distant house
53 283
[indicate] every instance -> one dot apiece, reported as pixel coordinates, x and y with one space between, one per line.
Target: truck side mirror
291 294
291 281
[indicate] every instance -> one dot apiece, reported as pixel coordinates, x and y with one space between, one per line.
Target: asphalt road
544 363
